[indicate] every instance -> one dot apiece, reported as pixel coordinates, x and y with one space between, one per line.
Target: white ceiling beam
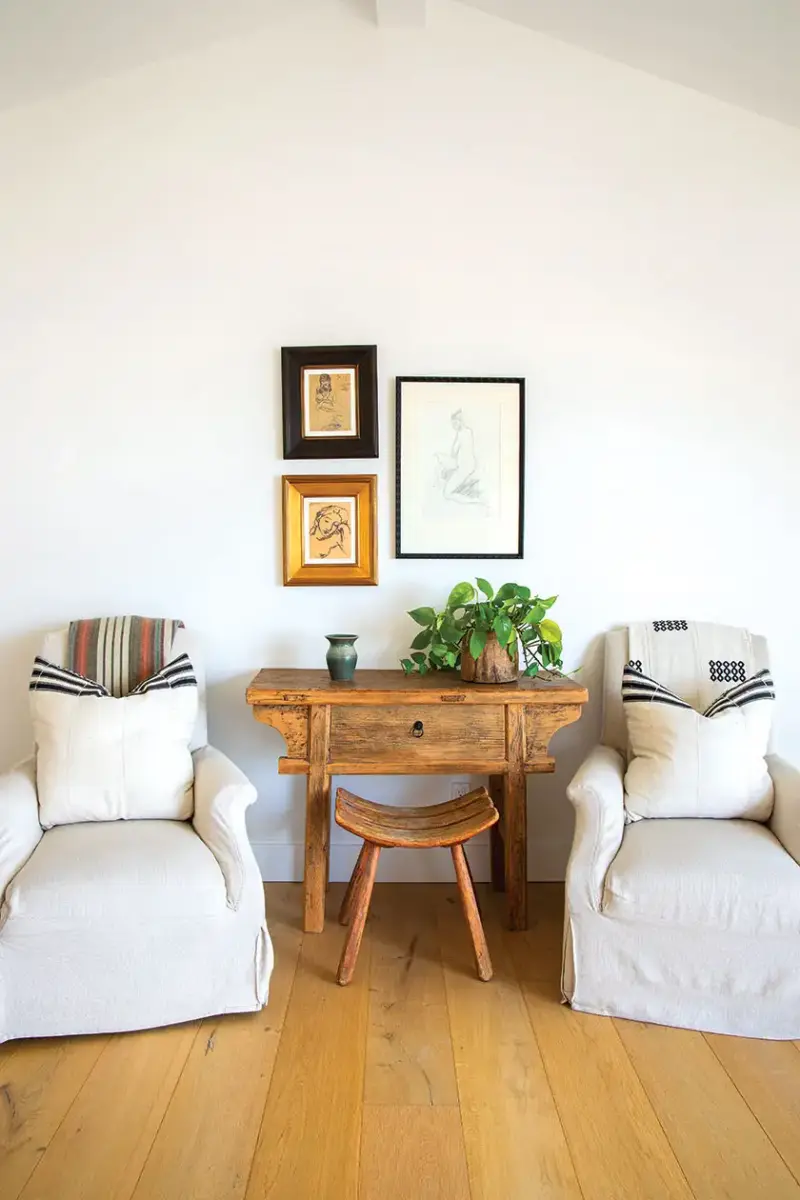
401 14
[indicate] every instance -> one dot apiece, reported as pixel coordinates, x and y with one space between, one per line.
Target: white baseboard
282 862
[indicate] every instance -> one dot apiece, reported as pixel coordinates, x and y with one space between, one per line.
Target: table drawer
421 733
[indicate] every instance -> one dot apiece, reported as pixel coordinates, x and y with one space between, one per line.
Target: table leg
515 819
496 836
318 820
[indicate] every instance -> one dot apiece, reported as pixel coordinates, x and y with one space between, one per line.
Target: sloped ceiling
746 52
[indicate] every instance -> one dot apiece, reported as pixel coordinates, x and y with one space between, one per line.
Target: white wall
475 199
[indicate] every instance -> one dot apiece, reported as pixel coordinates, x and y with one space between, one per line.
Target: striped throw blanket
120 652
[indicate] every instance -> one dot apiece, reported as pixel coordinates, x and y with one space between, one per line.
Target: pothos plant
515 616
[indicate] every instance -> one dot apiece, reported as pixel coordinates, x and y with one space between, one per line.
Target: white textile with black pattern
106 758
686 763
695 659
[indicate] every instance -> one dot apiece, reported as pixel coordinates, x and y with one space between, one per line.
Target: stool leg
467 893
361 898
346 911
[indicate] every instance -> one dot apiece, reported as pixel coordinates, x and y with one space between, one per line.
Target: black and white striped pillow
176 674
638 688
48 677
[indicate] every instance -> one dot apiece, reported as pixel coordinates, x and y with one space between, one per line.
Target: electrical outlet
459 787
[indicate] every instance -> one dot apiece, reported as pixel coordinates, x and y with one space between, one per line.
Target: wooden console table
388 723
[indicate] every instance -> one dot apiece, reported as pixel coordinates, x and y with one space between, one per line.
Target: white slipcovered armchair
119 925
686 922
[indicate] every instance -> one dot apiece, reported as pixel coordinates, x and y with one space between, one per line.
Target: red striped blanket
120 652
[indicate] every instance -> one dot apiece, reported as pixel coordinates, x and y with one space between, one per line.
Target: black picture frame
363 360
435 379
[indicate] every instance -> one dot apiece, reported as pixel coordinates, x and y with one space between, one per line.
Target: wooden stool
449 824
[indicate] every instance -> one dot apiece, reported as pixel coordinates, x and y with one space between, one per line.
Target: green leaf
418 658
533 669
549 602
507 592
549 631
407 665
423 616
503 628
438 650
450 658
477 642
534 615
485 587
423 668
547 654
462 593
523 593
449 632
423 639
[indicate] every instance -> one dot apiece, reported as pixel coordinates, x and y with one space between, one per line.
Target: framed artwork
460 468
330 530
330 401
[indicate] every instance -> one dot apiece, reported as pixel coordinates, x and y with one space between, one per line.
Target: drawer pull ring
417 729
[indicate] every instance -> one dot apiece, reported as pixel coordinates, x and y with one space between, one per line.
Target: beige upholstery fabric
20 831
108 870
785 821
727 875
110 926
692 923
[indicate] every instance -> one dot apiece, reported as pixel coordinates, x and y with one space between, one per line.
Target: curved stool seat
450 824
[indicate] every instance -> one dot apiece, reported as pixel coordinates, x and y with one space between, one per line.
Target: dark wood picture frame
520 540
362 361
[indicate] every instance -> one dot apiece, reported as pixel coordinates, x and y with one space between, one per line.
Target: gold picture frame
330 530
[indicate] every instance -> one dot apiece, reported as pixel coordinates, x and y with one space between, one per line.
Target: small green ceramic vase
341 657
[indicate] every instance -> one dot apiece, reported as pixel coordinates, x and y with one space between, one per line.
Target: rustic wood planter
492 666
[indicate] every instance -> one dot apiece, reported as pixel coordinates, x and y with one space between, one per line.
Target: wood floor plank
719 1144
39 1080
514 1141
409 1058
545 934
413 1152
406 961
206 1141
492 1091
617 1144
311 1129
768 1076
107 1133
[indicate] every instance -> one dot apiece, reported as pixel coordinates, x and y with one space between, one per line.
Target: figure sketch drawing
330 529
457 472
325 400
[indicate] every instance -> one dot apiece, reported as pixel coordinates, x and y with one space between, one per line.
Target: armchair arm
597 794
785 819
20 830
222 793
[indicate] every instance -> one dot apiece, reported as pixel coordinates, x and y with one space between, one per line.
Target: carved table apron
388 723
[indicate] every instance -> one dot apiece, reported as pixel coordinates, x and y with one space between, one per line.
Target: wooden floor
415 1082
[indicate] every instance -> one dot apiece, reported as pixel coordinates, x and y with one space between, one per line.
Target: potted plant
482 632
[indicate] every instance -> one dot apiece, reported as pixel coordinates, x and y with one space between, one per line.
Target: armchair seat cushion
727 875
126 872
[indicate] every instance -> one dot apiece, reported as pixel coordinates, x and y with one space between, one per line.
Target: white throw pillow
689 764
101 758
